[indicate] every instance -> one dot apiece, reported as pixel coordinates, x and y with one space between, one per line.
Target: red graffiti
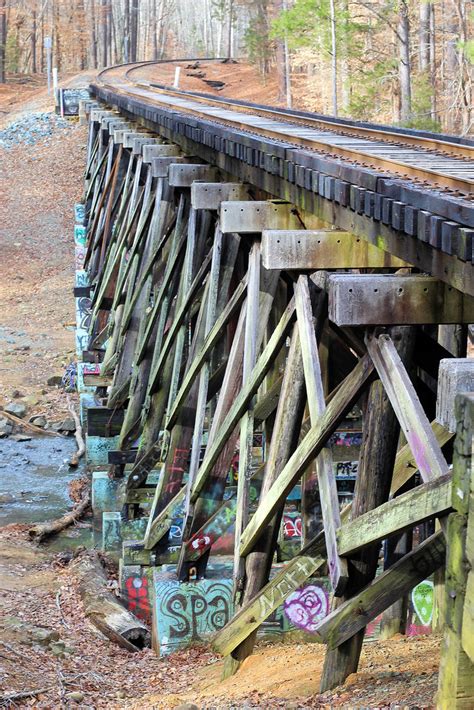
137 597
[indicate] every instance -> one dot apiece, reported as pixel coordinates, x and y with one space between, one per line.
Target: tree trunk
134 30
104 610
93 34
3 38
33 42
425 32
404 69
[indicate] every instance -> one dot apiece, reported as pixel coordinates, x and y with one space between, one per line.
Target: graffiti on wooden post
307 606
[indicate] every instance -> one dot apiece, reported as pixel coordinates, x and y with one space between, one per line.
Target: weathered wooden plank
456 376
294 574
432 499
184 175
211 531
338 572
404 400
159 151
396 300
283 440
243 398
322 249
348 393
140 495
255 216
209 195
214 335
355 613
102 421
456 678
247 421
405 464
159 526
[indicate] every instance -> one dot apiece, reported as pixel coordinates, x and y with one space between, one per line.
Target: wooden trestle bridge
260 278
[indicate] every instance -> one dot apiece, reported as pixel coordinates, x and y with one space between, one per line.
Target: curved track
436 160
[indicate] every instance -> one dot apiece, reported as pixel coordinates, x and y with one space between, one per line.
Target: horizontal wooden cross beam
158 526
185 175
102 421
160 167
355 613
432 499
255 216
368 299
322 249
209 195
342 401
165 150
292 576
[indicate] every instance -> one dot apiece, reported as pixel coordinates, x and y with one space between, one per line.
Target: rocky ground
50 655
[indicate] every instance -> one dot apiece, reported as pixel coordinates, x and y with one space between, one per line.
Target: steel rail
196 104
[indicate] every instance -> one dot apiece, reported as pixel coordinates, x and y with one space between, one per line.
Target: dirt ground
38 189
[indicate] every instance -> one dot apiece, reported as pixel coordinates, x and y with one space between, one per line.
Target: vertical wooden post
377 457
247 421
286 431
456 673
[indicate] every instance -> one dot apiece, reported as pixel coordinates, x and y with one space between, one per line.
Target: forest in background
406 62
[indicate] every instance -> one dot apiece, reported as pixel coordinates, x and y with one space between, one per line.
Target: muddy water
34 477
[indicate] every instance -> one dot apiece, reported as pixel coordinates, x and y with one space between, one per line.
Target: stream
34 478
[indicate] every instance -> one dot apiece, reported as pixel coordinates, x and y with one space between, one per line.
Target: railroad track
442 162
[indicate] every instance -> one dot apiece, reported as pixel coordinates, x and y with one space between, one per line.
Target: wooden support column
377 458
284 440
247 421
338 572
456 673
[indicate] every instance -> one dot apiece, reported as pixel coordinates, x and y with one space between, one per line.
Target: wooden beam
456 376
184 175
214 335
355 613
366 299
159 526
403 398
292 576
211 531
159 151
243 398
424 502
456 673
341 403
255 216
338 572
102 421
247 421
209 195
322 249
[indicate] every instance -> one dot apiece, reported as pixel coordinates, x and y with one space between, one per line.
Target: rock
31 400
16 408
24 633
6 427
21 437
54 381
68 425
16 394
39 421
76 696
187 706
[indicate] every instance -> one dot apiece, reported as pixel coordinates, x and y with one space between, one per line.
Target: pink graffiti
306 607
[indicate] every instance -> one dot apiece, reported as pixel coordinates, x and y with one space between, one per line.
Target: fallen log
26 425
43 530
103 609
81 447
